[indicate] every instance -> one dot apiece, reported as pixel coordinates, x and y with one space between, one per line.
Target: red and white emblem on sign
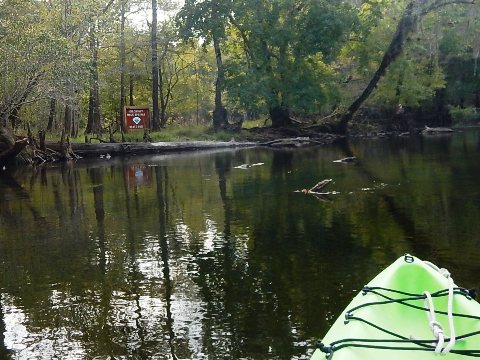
136 118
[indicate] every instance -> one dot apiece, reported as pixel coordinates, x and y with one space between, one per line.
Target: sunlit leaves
409 83
288 47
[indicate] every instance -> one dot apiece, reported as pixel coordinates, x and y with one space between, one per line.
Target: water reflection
4 351
187 256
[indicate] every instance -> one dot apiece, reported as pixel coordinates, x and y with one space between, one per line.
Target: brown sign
136 118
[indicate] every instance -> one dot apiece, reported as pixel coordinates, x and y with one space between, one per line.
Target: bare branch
246 43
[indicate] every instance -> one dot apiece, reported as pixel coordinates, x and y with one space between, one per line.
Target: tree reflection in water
189 257
4 352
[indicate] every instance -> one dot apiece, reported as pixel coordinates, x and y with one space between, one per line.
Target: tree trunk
122 63
52 113
130 90
67 120
163 99
280 116
155 70
219 113
41 140
13 117
74 127
93 124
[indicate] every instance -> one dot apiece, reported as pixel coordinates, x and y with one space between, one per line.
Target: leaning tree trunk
413 13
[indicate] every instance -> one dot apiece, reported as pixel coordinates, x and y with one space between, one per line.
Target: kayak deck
388 319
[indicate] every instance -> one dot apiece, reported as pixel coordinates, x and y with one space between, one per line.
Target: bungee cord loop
451 325
436 327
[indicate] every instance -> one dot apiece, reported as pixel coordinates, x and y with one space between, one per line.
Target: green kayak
411 310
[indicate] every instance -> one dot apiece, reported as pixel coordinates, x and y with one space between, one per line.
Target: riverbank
269 137
134 148
293 137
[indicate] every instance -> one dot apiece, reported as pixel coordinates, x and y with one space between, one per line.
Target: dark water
185 256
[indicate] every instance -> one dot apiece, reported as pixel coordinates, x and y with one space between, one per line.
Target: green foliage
193 95
409 83
287 53
305 55
466 116
201 19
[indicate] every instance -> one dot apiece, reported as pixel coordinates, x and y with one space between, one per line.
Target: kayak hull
396 323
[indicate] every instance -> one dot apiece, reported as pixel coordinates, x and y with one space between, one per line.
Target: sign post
136 118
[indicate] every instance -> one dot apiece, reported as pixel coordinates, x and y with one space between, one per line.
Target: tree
207 19
31 52
94 116
412 15
97 11
122 55
155 68
193 71
287 55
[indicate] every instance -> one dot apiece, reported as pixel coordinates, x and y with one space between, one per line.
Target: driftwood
436 130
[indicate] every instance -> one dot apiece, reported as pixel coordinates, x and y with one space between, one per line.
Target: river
187 256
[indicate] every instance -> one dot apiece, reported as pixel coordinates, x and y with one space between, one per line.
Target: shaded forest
69 67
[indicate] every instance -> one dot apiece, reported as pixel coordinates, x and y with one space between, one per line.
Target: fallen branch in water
316 189
350 159
292 142
436 130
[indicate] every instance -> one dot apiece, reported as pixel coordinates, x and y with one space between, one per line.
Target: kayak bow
411 310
